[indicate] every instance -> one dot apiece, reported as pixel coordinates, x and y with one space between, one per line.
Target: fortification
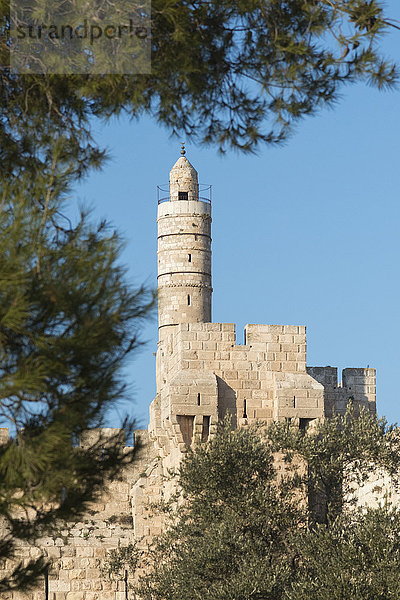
202 374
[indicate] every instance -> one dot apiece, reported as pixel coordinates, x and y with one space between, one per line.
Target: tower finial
183 149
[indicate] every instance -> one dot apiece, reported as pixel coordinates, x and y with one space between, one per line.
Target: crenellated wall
357 385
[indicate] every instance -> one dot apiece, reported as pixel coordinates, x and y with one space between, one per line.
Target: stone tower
184 252
184 255
202 372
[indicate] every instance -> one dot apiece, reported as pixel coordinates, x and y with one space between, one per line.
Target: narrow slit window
183 195
46 585
205 430
126 586
198 399
189 258
294 401
189 300
245 409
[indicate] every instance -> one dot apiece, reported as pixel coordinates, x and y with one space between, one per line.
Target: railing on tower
204 194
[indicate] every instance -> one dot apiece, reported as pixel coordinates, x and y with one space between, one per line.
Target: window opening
189 258
186 424
205 432
126 584
46 585
183 195
189 300
245 409
198 399
304 424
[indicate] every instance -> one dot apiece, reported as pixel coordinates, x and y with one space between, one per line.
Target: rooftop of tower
183 165
183 183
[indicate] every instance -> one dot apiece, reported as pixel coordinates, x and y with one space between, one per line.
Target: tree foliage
356 558
230 528
241 530
234 73
68 322
340 452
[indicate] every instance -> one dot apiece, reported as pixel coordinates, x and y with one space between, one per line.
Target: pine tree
236 73
69 320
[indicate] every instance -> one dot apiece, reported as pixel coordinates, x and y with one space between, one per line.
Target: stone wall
264 379
78 551
358 385
379 489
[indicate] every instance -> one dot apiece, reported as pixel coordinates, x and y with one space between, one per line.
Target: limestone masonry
202 374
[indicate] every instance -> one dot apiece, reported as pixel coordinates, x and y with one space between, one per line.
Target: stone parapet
358 385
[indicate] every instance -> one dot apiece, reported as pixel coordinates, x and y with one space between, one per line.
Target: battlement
214 346
357 385
207 373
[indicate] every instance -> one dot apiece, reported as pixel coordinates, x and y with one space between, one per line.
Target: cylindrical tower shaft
184 252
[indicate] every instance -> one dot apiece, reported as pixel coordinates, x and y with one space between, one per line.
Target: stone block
203 336
211 345
242 365
59 585
264 413
291 329
251 385
84 551
231 327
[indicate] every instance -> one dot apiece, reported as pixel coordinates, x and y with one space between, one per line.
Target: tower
202 372
184 251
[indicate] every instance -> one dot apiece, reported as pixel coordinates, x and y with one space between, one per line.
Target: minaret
184 251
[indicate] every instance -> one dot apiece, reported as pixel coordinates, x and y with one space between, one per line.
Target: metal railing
204 194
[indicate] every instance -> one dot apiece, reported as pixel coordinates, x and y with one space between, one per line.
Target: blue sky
307 233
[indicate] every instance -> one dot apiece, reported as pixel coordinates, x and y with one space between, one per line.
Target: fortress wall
358 385
78 550
251 377
213 346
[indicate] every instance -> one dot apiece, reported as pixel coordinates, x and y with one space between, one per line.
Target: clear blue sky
312 229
